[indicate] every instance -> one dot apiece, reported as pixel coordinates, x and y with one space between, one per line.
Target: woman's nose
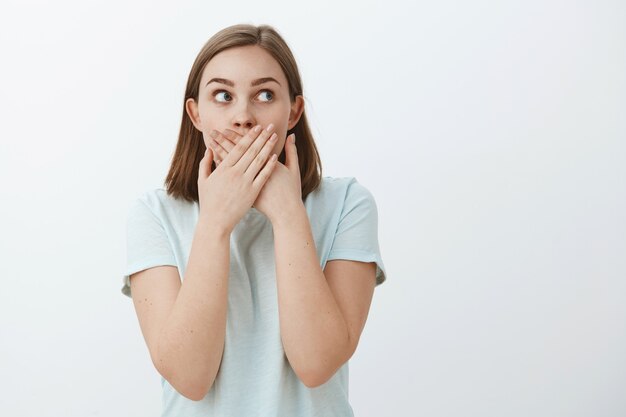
247 125
244 120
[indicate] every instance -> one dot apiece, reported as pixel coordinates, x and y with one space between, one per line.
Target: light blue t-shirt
255 377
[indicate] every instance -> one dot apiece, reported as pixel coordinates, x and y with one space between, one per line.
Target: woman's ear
297 107
191 107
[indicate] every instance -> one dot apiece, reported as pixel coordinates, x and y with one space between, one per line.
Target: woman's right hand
227 193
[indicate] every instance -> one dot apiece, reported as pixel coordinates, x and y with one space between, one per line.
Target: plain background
492 135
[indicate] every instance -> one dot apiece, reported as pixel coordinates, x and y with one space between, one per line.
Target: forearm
313 331
192 340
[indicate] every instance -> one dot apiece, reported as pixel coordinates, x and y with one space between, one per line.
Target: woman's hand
227 193
223 143
283 190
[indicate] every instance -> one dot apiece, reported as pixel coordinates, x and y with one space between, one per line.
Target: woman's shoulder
159 197
162 204
335 184
336 192
342 186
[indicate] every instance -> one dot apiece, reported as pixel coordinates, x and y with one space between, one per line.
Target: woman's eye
271 95
217 94
226 97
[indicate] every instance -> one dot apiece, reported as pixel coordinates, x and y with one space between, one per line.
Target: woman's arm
313 330
191 342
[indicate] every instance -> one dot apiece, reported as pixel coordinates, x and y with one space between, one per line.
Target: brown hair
182 178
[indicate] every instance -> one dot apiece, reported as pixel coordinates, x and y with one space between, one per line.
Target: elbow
321 372
189 391
314 381
190 388
192 379
314 377
194 387
193 390
195 394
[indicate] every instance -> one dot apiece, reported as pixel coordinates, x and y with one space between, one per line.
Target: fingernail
213 134
270 127
257 128
293 138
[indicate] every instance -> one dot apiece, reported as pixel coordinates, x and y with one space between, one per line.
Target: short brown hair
182 178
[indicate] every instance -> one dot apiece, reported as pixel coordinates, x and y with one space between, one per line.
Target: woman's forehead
242 66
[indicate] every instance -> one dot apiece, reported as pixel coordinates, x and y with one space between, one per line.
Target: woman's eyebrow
252 84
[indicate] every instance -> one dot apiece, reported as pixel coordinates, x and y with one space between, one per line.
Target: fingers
226 141
261 158
265 173
232 136
219 149
242 146
291 153
219 152
255 147
204 168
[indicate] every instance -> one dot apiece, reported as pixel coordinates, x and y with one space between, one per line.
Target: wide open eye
269 93
225 94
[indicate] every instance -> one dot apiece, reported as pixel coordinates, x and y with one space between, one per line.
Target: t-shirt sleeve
147 244
356 237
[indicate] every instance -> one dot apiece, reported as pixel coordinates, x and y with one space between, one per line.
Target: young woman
251 274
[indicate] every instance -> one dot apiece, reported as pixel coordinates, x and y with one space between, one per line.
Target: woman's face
240 88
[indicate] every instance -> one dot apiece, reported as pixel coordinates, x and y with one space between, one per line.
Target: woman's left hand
283 190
